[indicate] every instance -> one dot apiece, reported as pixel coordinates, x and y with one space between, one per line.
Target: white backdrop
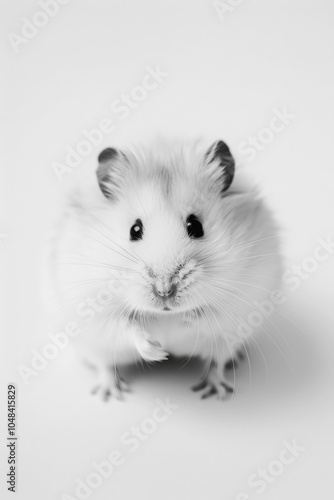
222 76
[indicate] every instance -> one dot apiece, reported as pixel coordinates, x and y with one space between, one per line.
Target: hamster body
168 256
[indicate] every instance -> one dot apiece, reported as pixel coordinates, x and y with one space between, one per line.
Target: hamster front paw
149 348
110 383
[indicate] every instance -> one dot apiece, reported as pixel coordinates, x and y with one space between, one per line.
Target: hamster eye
194 227
136 231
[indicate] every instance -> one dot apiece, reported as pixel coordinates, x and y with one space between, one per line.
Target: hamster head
176 226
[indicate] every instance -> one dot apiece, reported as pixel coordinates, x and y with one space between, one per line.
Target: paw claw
212 384
209 393
227 387
198 387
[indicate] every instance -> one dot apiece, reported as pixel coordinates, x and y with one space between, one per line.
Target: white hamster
167 256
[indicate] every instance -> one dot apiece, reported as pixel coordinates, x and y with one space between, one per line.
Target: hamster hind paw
221 388
214 383
110 384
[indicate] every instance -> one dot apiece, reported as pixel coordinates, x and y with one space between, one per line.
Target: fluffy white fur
219 276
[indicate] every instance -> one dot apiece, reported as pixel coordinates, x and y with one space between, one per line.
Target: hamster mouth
177 307
194 313
174 305
164 305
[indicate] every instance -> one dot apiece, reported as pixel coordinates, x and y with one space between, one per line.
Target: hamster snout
164 289
168 285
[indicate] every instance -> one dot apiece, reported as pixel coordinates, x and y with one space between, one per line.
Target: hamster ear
113 165
219 151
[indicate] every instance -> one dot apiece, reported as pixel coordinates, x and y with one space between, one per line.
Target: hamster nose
168 291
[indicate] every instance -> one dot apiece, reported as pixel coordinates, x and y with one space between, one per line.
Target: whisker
271 338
